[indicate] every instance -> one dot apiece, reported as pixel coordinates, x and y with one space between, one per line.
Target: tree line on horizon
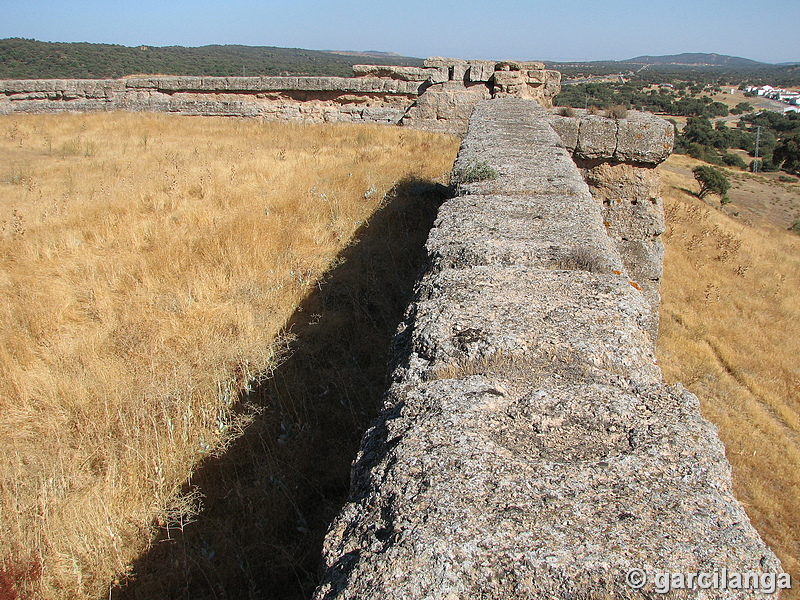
32 59
654 74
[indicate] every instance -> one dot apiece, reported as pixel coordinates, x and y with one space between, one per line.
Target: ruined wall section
438 96
617 157
528 447
307 99
446 105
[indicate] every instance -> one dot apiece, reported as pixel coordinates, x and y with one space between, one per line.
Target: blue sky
554 30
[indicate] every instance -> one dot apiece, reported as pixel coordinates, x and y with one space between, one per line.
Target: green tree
733 160
712 180
787 153
698 130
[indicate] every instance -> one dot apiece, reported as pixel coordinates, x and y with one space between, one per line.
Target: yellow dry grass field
730 332
147 266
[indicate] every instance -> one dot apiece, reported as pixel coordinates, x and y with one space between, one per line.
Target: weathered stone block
634 219
633 213
272 84
459 72
536 231
637 138
524 311
630 182
536 77
597 137
505 78
481 70
445 107
567 130
438 62
508 65
379 114
643 137
433 74
532 65
552 85
341 116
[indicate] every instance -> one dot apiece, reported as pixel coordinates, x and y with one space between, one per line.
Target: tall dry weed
730 331
148 264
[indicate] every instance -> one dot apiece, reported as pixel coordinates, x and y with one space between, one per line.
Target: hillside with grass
730 319
196 314
32 59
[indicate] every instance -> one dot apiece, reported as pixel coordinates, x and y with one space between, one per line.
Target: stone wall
528 446
439 96
617 157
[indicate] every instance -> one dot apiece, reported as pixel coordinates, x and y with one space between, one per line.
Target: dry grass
148 264
730 325
758 199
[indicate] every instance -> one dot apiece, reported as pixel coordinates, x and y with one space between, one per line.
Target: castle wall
439 96
528 446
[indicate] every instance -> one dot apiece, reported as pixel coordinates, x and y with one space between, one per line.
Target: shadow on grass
269 499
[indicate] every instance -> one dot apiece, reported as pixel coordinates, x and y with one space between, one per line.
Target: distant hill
32 59
696 59
692 67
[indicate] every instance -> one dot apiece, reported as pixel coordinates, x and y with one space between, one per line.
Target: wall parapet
528 446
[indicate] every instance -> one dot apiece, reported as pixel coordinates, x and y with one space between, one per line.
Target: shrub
733 160
473 171
704 153
617 112
787 179
769 166
593 110
567 111
795 226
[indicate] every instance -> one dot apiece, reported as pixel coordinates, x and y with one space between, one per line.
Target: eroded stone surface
476 230
488 313
637 138
433 75
633 213
617 158
528 447
462 490
445 107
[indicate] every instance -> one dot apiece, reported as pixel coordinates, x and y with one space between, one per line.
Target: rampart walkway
529 447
